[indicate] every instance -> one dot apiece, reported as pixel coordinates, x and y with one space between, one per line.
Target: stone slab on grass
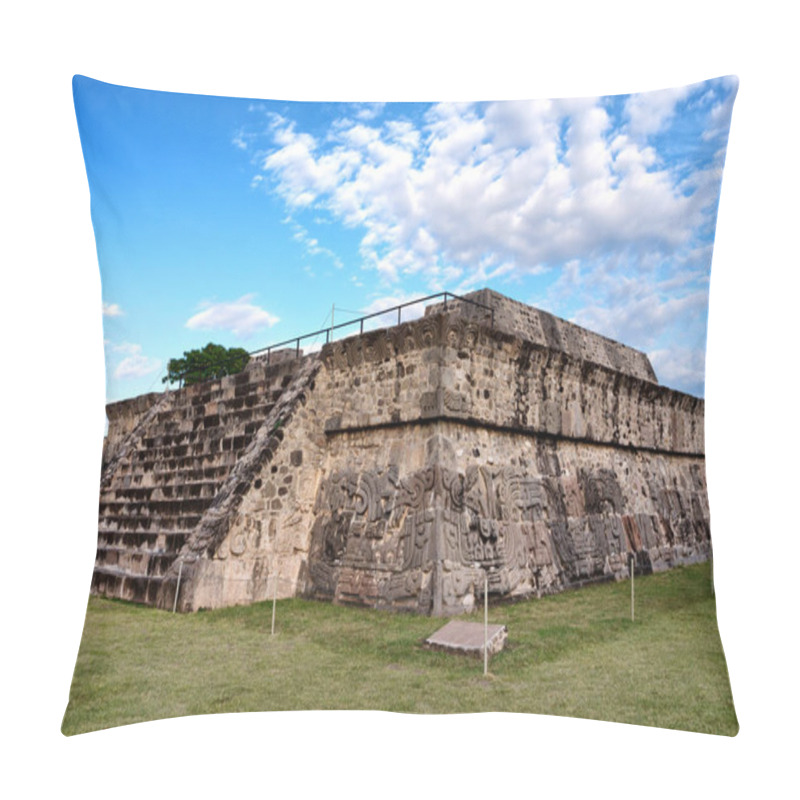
459 636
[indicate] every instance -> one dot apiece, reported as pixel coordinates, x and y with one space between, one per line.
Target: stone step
265 396
171 466
135 493
214 426
187 421
158 493
276 375
168 540
214 474
192 406
180 472
174 479
157 469
135 588
135 561
184 490
144 524
193 472
225 394
150 452
153 508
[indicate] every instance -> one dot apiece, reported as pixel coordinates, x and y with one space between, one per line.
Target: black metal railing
295 341
221 369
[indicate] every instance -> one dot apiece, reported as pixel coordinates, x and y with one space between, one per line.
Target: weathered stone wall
412 525
361 382
538 327
123 417
472 449
445 366
396 466
512 383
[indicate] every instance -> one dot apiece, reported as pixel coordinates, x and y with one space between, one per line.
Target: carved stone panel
424 538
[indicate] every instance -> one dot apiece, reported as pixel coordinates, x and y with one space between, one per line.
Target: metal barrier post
274 592
485 621
177 588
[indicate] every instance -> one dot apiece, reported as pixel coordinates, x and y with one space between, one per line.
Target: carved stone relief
245 535
436 530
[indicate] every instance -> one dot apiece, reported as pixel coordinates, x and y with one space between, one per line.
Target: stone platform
460 636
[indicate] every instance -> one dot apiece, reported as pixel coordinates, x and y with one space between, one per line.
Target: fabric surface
301 467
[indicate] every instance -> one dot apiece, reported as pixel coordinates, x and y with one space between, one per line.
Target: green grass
574 654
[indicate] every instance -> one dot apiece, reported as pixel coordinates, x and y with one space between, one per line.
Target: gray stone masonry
469 638
537 326
394 468
170 469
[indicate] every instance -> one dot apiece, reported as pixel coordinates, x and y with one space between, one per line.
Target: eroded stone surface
460 636
381 471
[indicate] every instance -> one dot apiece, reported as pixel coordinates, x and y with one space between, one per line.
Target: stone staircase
164 475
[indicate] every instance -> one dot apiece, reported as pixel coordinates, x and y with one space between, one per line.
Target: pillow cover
370 358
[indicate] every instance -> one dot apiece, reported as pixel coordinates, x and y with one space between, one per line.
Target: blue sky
243 221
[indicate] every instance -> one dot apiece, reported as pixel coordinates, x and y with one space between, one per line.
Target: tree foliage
209 363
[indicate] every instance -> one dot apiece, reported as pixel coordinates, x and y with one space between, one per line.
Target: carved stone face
602 492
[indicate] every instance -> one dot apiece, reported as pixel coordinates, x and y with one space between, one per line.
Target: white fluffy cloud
512 186
680 367
112 310
649 111
664 316
603 199
240 317
642 318
407 314
134 365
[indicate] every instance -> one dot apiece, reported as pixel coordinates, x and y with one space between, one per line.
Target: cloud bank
620 191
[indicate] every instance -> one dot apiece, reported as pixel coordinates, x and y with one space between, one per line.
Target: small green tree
209 363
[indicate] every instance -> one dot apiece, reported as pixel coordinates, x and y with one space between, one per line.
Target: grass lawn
574 654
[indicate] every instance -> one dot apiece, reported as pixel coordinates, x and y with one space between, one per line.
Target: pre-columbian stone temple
393 467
